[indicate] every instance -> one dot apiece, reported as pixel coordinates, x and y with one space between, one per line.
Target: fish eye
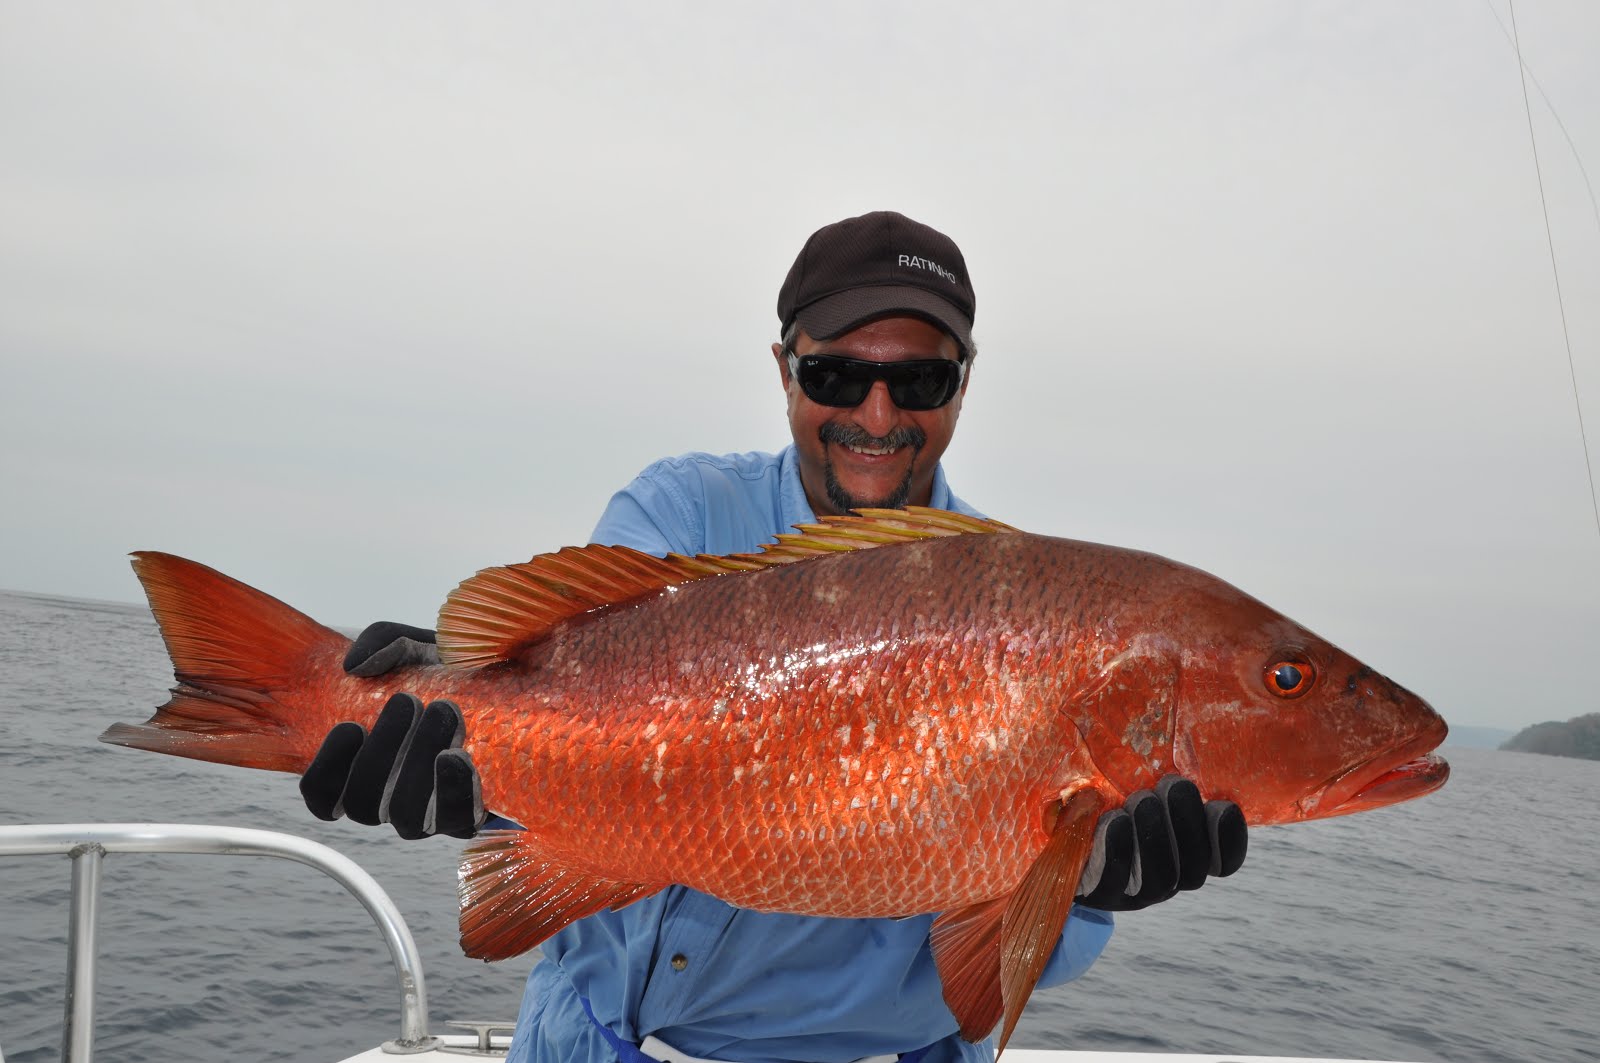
1290 679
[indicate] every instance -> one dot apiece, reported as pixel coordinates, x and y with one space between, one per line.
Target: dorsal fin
501 611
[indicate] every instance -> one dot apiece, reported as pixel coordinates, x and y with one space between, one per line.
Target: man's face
874 454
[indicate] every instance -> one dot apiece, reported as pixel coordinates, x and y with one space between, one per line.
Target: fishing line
1549 239
1572 146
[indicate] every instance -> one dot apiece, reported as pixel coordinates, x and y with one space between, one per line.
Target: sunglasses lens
923 385
833 381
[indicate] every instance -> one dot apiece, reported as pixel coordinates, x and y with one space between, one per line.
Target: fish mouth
1404 773
1403 782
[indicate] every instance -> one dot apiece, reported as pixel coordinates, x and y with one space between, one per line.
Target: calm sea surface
1462 927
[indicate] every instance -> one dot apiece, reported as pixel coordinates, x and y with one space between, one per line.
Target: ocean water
1463 927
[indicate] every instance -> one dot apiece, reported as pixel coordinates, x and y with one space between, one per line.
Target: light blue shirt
726 983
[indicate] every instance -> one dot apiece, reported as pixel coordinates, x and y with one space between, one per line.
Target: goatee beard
856 436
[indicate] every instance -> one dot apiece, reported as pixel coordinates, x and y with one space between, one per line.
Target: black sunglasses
829 380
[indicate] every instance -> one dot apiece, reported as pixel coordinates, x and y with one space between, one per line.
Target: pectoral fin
1037 911
990 955
966 950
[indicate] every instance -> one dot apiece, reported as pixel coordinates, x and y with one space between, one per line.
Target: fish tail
235 652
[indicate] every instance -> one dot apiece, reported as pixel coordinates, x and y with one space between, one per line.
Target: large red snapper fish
885 715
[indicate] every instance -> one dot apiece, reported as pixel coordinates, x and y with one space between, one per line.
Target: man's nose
877 412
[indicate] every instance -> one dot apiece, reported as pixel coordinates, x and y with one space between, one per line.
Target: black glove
1161 841
410 772
386 645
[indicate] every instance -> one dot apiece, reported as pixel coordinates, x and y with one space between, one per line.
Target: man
875 359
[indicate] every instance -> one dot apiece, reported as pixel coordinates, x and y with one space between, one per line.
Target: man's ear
783 364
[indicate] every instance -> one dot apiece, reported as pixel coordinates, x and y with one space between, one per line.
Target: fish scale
890 714
953 796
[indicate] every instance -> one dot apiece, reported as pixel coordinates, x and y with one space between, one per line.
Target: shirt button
679 962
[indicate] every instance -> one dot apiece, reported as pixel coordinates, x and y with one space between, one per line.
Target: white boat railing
87 843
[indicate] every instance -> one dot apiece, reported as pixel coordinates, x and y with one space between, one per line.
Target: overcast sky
352 300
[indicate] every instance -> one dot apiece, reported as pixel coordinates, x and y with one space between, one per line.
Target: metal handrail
87 843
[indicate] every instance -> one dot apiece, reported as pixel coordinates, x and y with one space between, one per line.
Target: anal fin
513 897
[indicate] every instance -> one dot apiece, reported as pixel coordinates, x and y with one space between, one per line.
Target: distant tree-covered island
1578 737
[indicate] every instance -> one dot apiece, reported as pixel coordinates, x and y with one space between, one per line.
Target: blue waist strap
626 1051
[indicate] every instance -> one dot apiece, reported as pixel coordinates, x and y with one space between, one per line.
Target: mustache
853 435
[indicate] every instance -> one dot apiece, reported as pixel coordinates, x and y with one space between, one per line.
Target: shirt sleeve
1082 940
653 514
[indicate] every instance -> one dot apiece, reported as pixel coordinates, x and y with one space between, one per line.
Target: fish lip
1403 782
1401 773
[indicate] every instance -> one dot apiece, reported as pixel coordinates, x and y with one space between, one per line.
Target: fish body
887 715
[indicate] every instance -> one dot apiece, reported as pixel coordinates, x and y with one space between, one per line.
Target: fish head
1287 725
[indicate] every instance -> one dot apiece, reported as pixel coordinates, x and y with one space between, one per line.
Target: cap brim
836 314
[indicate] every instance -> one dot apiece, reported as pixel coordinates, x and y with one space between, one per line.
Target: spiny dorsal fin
501 611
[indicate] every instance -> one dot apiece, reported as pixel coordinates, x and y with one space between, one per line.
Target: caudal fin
236 652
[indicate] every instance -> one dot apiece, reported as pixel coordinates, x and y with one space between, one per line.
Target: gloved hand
410 772
386 645
1158 843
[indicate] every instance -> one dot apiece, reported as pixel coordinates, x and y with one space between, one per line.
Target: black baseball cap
881 264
